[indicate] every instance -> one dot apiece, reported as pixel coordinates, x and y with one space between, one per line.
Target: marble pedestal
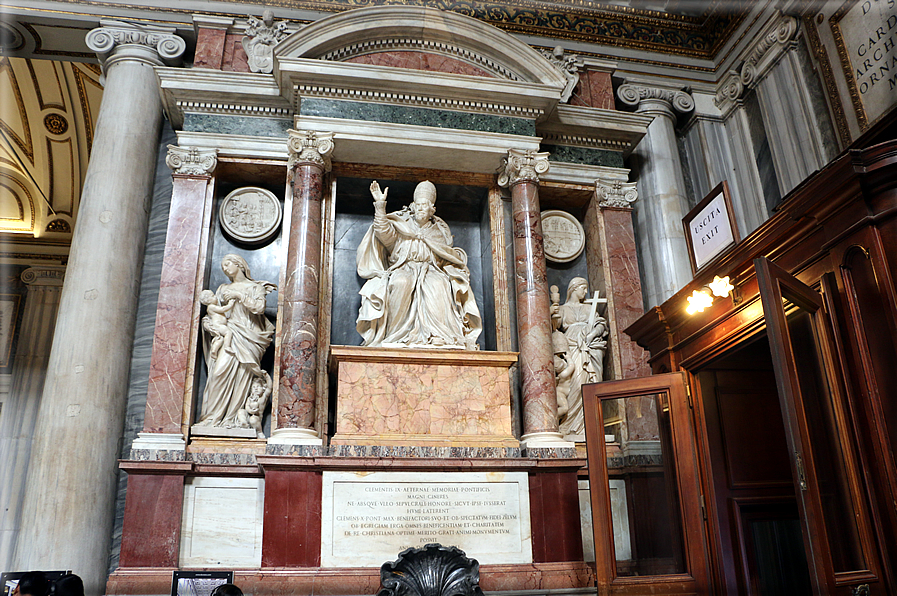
440 398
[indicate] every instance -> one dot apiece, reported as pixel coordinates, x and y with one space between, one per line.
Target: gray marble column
661 186
72 475
20 410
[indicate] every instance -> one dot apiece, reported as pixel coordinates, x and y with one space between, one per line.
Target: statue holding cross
579 340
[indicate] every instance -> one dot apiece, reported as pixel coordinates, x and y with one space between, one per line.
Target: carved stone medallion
250 214
563 236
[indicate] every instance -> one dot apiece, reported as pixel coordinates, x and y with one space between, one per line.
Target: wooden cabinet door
645 494
839 546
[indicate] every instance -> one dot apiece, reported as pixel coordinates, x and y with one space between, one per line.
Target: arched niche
420 29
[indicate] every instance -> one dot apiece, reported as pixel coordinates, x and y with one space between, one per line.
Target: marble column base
545 440
158 447
294 436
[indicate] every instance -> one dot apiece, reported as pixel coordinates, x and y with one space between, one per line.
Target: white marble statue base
294 436
217 431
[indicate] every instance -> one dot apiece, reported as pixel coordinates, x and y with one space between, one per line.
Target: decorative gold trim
40 97
5 64
828 77
846 67
80 77
9 176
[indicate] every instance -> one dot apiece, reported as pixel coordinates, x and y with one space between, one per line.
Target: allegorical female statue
580 342
417 292
235 365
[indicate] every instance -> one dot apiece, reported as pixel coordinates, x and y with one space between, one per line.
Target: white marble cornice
116 41
637 94
581 126
310 147
207 91
46 275
191 161
522 166
582 174
775 38
615 193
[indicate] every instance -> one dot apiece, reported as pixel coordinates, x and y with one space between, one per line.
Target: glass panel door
646 501
836 533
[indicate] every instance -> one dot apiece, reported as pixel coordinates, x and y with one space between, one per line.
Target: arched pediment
420 29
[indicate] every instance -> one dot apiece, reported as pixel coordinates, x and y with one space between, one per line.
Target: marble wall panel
174 315
595 90
378 112
292 535
222 522
584 155
237 125
153 520
209 48
141 352
234 59
420 61
383 399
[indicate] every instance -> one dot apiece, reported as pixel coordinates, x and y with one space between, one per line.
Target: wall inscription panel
368 518
865 32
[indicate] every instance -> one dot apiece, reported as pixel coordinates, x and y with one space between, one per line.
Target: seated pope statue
417 292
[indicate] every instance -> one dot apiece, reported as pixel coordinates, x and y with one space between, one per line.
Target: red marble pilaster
174 313
554 516
234 59
299 342
291 534
151 531
209 48
533 317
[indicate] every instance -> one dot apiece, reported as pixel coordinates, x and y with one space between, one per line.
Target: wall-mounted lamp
701 299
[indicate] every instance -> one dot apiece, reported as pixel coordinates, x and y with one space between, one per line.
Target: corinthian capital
614 193
191 161
310 147
633 95
522 166
115 41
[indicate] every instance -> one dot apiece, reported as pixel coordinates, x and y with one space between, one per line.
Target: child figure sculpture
215 322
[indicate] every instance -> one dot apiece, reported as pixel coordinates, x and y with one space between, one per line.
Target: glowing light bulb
698 301
720 286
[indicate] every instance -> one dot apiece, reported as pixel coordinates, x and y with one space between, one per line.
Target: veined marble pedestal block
388 396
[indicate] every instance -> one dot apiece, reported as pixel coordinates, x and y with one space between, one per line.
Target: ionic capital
47 275
308 147
522 166
191 161
116 41
614 193
640 96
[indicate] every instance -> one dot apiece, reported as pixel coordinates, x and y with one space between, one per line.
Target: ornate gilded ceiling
697 35
46 127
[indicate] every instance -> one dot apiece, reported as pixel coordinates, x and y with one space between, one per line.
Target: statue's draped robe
418 290
587 357
231 374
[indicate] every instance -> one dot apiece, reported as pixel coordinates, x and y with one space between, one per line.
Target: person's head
33 583
424 205
233 265
68 585
257 390
227 590
577 287
207 297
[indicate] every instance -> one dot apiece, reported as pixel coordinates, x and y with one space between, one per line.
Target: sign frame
728 219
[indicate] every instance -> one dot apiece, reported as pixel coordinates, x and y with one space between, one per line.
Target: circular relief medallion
250 214
563 236
56 124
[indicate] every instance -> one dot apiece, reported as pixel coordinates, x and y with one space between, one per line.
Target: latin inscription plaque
369 517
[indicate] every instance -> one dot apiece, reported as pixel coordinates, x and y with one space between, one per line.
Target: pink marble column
172 336
540 421
297 393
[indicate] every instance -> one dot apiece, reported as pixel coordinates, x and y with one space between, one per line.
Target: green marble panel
376 112
584 155
237 125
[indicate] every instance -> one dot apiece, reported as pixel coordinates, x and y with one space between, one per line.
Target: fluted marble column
297 393
175 331
661 186
72 477
540 408
21 408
